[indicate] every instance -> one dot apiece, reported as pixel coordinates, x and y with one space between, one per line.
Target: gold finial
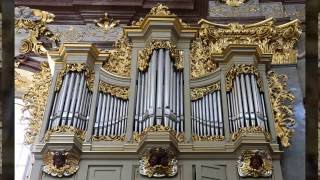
105 23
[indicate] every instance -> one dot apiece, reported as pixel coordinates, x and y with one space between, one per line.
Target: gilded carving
158 162
144 55
119 59
35 100
157 128
76 67
65 130
282 101
215 38
109 138
250 130
60 163
35 21
255 163
238 69
197 93
234 3
105 23
207 138
120 92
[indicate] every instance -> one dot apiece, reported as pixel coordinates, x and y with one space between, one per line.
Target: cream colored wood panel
104 172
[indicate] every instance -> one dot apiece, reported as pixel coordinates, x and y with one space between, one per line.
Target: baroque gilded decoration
250 130
144 55
35 21
233 3
241 69
35 100
157 128
78 67
109 138
119 59
207 138
60 163
197 93
65 130
105 23
158 162
215 38
255 163
120 92
282 102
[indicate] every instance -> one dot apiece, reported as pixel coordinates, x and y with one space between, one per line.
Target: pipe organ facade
161 104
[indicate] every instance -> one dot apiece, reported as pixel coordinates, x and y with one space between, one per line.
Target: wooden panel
104 172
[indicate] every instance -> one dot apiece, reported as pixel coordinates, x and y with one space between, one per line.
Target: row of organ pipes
159 97
246 104
71 103
111 115
206 115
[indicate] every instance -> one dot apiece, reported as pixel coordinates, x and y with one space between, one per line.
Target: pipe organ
71 104
159 97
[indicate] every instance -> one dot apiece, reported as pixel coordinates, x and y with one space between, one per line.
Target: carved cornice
238 69
120 92
144 55
35 21
197 93
119 59
76 67
157 128
281 101
35 100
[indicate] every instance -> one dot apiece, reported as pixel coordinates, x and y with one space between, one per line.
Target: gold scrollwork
281 100
76 67
137 137
65 130
241 69
35 100
197 93
233 3
250 130
120 92
207 138
35 21
60 164
105 23
109 138
144 55
119 59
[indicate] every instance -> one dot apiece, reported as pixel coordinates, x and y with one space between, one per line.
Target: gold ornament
255 163
70 130
137 137
120 92
109 138
238 69
197 93
144 55
119 59
60 163
250 130
207 138
282 101
35 21
234 3
77 67
35 100
105 23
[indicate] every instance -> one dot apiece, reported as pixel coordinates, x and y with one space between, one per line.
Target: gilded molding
119 59
255 163
35 100
35 21
207 138
76 67
276 40
59 164
197 93
234 3
282 101
70 130
250 130
109 138
241 69
144 55
105 23
120 92
157 128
